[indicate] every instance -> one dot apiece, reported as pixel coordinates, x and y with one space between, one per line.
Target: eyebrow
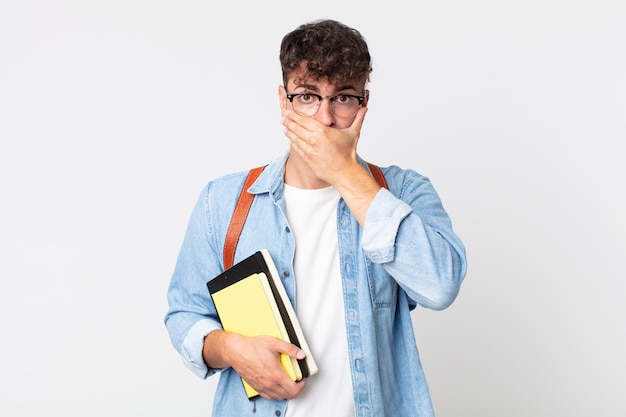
314 88
308 87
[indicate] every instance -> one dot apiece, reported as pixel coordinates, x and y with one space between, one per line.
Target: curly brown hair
326 49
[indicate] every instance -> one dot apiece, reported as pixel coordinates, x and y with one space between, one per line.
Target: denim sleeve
191 314
381 226
408 232
191 349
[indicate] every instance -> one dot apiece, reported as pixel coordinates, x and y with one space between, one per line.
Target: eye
306 98
343 99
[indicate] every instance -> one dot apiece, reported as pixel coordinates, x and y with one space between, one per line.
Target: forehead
322 84
302 78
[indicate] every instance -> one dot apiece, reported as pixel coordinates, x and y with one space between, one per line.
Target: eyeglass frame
320 97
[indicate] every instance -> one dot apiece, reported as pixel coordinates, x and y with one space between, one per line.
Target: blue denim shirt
405 255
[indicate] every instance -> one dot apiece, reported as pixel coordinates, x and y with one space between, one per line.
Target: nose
325 114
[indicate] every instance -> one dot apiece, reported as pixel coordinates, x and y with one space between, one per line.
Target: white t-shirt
312 216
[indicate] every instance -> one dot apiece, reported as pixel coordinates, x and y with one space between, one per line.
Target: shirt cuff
382 221
191 349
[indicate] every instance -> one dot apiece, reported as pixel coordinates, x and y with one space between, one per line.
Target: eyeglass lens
341 105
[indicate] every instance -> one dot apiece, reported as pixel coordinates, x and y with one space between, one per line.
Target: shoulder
269 179
220 194
225 187
401 180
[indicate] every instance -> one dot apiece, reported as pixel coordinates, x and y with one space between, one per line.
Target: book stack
251 300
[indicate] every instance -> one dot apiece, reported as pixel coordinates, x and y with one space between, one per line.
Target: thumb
300 354
294 351
289 349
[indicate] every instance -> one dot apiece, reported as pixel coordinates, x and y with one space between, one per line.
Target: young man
354 257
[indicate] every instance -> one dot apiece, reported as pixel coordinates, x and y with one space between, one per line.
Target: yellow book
251 303
244 308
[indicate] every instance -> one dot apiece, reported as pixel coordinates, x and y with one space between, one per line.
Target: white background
114 114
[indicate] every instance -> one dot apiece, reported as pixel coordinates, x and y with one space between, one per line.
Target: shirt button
277 412
285 273
287 229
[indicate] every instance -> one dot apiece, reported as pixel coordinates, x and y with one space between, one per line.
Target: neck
299 175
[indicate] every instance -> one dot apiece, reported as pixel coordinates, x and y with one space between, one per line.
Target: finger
297 136
357 123
296 142
296 123
290 349
274 392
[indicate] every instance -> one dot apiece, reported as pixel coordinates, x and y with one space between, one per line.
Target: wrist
213 350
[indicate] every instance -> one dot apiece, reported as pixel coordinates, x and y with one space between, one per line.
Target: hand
257 361
328 151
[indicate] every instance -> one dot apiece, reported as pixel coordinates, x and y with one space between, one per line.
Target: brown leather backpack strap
239 217
378 175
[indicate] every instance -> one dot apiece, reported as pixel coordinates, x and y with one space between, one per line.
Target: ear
282 97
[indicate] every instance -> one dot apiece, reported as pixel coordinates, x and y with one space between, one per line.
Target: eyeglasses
342 105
